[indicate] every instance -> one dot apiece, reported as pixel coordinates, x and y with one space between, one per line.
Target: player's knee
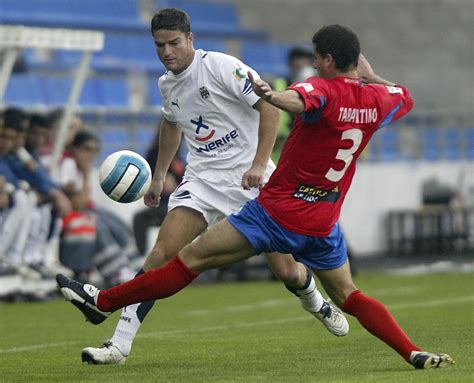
340 295
288 275
157 257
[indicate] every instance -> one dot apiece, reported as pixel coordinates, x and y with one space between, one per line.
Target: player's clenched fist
152 196
260 87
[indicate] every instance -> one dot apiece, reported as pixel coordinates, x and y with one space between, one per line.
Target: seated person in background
154 217
38 134
93 238
41 200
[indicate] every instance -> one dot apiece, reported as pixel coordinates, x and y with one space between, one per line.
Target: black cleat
82 296
424 360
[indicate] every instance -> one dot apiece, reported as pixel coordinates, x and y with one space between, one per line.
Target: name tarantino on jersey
357 116
220 142
311 194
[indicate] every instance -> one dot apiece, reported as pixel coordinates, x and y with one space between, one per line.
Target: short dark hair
37 119
82 137
13 118
298 52
341 43
172 19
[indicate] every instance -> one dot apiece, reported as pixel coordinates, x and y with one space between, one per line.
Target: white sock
310 297
126 329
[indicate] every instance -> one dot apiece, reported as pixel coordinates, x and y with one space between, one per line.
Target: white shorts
216 195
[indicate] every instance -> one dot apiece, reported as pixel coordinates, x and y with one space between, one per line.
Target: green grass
253 332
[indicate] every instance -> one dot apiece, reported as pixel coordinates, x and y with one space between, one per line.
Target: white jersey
212 101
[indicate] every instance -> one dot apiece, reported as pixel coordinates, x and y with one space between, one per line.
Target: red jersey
306 191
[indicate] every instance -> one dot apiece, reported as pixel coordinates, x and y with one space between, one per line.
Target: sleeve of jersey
397 103
166 108
236 82
313 93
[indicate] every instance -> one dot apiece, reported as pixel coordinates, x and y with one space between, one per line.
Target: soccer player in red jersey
298 209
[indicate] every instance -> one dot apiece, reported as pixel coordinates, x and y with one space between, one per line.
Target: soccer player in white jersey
230 133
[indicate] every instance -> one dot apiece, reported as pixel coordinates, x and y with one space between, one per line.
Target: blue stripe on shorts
266 235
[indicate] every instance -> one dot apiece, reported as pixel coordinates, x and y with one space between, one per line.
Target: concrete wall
426 44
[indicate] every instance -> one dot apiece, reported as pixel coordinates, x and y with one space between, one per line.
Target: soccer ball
125 176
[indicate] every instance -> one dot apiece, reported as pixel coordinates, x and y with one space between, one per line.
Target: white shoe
108 353
333 319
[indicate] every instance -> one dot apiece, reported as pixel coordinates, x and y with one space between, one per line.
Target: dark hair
37 119
13 118
300 52
341 43
82 137
172 19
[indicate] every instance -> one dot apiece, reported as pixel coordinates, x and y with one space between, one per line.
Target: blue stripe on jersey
387 120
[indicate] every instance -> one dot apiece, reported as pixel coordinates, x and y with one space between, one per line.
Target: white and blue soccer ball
125 176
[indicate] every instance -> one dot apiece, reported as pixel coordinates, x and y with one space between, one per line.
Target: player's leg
299 280
375 317
180 227
222 245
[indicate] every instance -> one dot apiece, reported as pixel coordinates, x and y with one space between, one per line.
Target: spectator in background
300 67
30 220
153 217
38 134
93 238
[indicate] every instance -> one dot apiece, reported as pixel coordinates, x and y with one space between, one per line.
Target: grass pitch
251 332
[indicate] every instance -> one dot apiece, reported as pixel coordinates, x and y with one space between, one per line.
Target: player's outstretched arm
366 73
170 138
288 100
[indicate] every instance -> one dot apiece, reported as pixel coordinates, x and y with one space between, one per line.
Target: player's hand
152 196
260 87
62 203
364 69
253 178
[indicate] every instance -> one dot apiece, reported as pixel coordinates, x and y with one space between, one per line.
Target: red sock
154 284
376 319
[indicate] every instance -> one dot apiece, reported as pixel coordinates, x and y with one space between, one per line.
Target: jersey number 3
346 155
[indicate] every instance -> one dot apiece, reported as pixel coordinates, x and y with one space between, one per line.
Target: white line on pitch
432 303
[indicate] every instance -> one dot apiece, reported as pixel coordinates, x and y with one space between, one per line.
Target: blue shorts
266 235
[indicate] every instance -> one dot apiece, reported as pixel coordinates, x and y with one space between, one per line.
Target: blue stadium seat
430 143
452 141
24 90
389 145
154 96
469 141
102 14
212 18
112 92
266 58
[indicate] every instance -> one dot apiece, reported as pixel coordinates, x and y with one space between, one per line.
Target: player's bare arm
170 138
267 131
288 100
366 73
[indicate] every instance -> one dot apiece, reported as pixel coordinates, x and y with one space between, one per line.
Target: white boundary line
159 334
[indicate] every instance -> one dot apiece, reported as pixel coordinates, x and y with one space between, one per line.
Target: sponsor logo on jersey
239 74
201 125
175 103
311 194
357 116
219 143
305 85
204 92
394 90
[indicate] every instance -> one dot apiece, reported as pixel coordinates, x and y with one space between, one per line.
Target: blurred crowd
49 222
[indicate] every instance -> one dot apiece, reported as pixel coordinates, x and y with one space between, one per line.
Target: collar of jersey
189 69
